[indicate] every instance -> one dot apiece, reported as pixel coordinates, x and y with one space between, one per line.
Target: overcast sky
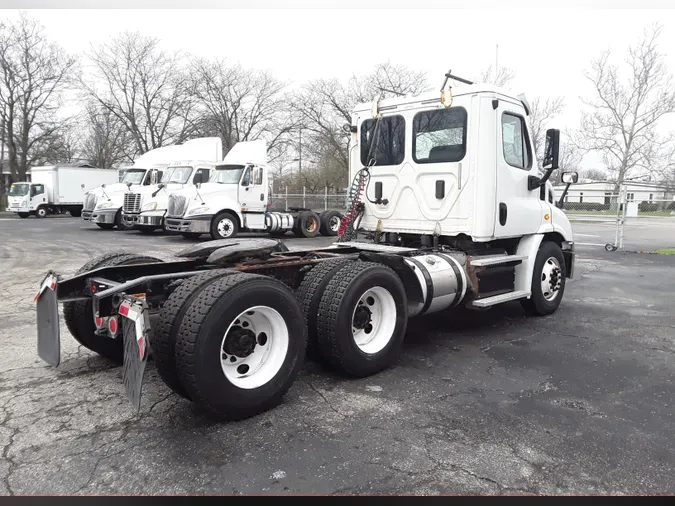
548 49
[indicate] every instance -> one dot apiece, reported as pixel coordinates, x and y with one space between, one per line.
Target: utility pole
300 153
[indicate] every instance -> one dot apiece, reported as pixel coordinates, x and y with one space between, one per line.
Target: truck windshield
19 190
227 174
133 176
176 175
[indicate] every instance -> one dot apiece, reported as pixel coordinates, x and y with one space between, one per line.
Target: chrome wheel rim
551 279
225 227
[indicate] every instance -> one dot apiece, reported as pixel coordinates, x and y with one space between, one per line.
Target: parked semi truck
447 209
56 190
103 205
237 198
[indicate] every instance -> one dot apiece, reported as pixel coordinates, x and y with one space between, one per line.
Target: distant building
604 193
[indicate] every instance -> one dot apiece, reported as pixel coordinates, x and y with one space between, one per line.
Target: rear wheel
79 315
330 223
75 213
548 281
172 312
362 319
105 226
309 294
308 224
240 345
119 221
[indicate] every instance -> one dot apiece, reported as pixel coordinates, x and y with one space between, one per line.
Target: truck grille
89 202
176 205
132 202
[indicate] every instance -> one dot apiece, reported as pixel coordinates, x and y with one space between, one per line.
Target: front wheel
23 215
106 226
41 212
548 281
224 226
145 229
240 345
190 236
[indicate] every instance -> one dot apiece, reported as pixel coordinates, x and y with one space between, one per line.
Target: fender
528 246
219 203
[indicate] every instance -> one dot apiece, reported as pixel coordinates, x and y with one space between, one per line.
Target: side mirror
569 177
82 186
552 149
160 186
102 186
198 185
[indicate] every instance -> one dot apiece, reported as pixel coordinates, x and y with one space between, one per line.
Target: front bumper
146 219
192 225
104 216
86 215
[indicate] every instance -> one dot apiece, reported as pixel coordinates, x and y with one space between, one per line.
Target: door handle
502 213
262 197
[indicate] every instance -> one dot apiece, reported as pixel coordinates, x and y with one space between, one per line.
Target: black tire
164 338
79 316
119 221
105 226
199 345
537 304
23 215
335 339
308 226
191 236
75 213
309 295
327 229
233 226
41 212
144 229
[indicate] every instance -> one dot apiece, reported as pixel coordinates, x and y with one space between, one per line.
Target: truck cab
25 197
103 205
145 207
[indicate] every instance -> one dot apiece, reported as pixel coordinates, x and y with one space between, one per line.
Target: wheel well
236 216
554 237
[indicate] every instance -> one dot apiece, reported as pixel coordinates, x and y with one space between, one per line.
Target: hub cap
335 223
225 227
374 320
254 347
551 279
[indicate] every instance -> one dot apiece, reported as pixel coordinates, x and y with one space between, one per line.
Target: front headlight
106 205
197 210
150 206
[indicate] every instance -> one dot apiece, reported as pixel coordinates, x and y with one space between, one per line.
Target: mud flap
135 327
49 333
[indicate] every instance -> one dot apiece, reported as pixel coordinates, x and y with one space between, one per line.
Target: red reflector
99 322
124 310
93 288
112 325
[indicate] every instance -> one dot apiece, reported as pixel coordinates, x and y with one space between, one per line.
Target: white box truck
56 189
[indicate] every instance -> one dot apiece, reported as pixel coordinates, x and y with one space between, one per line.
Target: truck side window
201 176
439 136
37 189
516 144
258 176
388 142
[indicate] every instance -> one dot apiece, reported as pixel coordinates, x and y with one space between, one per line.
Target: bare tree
570 157
626 111
502 77
107 142
34 73
145 88
241 104
541 113
324 106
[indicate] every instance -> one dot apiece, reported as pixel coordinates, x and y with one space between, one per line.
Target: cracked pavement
580 402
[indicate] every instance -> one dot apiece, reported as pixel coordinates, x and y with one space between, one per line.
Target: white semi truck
103 205
237 198
448 209
56 190
145 207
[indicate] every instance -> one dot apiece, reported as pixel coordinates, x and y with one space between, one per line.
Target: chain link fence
612 205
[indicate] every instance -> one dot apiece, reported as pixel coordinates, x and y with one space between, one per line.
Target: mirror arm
561 202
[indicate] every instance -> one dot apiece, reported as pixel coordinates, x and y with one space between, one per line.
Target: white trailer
56 190
448 208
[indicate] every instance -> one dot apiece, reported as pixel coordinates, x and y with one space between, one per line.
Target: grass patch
665 251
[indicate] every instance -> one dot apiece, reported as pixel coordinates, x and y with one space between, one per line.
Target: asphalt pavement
578 402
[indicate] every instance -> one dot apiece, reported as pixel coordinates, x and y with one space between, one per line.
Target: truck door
253 196
519 210
37 195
